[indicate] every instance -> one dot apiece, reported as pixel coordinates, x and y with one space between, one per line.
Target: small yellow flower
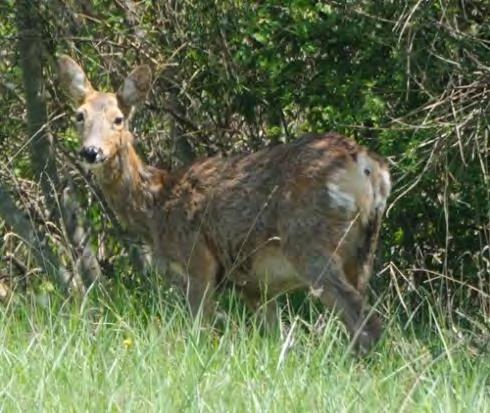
47 287
127 343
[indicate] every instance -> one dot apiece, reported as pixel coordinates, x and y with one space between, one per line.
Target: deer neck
132 189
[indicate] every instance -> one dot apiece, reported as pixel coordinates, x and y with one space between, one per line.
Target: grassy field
142 353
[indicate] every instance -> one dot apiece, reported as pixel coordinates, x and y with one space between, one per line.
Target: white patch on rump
340 198
351 189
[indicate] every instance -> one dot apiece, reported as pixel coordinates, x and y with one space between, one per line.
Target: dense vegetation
408 79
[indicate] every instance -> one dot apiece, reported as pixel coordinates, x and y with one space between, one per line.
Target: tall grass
141 352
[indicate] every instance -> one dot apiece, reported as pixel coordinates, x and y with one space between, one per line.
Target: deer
303 215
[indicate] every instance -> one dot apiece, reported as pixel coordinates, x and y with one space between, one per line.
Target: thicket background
409 79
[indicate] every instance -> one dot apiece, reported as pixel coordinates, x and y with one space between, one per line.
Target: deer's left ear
135 87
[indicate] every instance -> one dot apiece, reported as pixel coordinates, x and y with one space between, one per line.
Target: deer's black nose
89 154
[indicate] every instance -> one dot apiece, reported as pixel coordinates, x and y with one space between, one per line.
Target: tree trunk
31 48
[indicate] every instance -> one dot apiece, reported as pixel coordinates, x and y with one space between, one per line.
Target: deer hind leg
201 275
325 276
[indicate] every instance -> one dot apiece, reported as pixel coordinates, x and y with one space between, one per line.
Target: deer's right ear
73 79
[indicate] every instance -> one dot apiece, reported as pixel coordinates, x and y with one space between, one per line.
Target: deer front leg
201 276
199 297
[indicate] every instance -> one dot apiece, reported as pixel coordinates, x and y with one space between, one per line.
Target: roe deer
300 215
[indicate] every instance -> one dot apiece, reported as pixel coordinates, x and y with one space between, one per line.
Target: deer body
300 215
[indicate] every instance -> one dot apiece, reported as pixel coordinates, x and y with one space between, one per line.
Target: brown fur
300 215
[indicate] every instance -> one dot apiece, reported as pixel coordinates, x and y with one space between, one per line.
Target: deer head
102 118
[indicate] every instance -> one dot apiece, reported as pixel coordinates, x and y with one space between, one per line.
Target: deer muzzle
92 155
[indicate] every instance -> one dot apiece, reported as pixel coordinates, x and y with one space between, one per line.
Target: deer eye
79 117
119 120
367 172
